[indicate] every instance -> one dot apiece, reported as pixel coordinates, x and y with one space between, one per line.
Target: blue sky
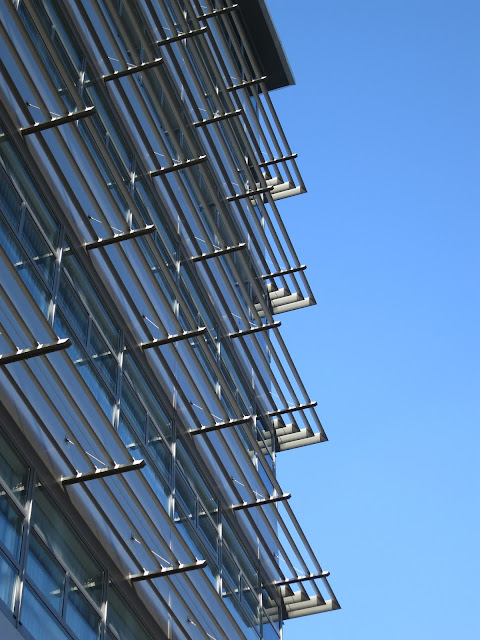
385 118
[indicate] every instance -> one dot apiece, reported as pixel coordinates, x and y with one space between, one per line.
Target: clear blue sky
385 118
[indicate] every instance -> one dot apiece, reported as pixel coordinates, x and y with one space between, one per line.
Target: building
145 389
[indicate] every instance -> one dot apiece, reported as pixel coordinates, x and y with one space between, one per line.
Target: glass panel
13 471
47 574
72 308
185 494
239 554
158 486
230 568
8 577
122 620
208 528
133 408
159 451
138 380
103 358
82 617
65 544
10 525
10 201
250 599
90 298
191 472
38 621
233 605
129 438
16 167
24 267
38 249
85 367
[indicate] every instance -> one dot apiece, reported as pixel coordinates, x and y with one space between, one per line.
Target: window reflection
46 573
66 545
10 525
8 581
81 616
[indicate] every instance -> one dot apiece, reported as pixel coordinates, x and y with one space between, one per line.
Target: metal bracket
168 571
261 502
119 237
219 252
299 407
247 83
217 12
292 156
56 122
181 36
253 192
311 576
32 352
247 332
219 425
284 272
222 116
157 342
102 473
131 70
179 165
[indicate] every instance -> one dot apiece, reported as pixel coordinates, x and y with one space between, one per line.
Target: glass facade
113 395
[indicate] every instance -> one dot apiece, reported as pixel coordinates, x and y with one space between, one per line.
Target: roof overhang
265 42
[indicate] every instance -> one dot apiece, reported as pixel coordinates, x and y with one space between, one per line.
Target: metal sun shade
218 118
284 272
247 83
180 165
32 352
253 192
247 332
174 338
217 12
56 122
168 571
219 425
219 252
261 502
181 36
105 472
312 576
119 237
133 69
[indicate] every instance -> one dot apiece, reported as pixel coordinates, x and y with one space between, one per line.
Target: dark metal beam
247 332
217 12
311 576
102 473
247 83
56 122
157 342
131 70
284 272
299 407
219 425
179 165
32 352
253 192
292 156
219 252
181 36
119 237
261 502
222 116
168 571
